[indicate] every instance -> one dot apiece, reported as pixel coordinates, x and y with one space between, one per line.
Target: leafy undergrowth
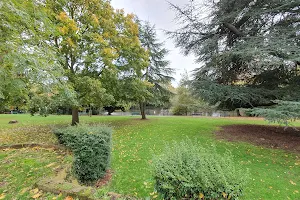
21 169
275 174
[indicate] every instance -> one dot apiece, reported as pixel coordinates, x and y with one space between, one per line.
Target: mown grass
275 174
37 129
28 120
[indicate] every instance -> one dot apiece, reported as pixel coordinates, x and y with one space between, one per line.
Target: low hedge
91 146
188 171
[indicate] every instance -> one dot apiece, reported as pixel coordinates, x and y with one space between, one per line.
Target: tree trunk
142 108
75 117
90 112
238 112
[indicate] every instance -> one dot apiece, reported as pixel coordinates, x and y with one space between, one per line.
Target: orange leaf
69 198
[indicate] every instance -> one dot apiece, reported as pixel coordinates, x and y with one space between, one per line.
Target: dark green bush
91 146
188 171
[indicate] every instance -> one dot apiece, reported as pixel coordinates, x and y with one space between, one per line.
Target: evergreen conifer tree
248 51
157 73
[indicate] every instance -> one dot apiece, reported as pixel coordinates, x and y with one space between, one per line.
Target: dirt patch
268 136
105 180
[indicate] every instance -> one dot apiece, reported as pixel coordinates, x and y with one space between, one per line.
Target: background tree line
79 53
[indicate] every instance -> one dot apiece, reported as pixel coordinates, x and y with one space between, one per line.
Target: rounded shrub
91 146
186 170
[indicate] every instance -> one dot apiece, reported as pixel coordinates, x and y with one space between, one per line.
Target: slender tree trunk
90 112
112 110
238 112
142 108
75 117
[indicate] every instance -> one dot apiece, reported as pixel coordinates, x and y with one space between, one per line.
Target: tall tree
157 73
22 59
79 44
248 50
91 42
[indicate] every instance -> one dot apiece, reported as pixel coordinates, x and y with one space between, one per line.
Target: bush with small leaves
186 170
91 146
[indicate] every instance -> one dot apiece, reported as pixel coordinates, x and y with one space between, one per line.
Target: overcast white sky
158 12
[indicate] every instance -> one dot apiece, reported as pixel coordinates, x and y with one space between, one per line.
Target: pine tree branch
233 29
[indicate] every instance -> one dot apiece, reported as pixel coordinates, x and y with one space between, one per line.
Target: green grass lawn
275 174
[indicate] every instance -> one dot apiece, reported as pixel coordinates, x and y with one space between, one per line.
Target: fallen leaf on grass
34 191
292 182
69 198
153 193
37 195
24 190
36 148
5 149
54 198
2 196
51 164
